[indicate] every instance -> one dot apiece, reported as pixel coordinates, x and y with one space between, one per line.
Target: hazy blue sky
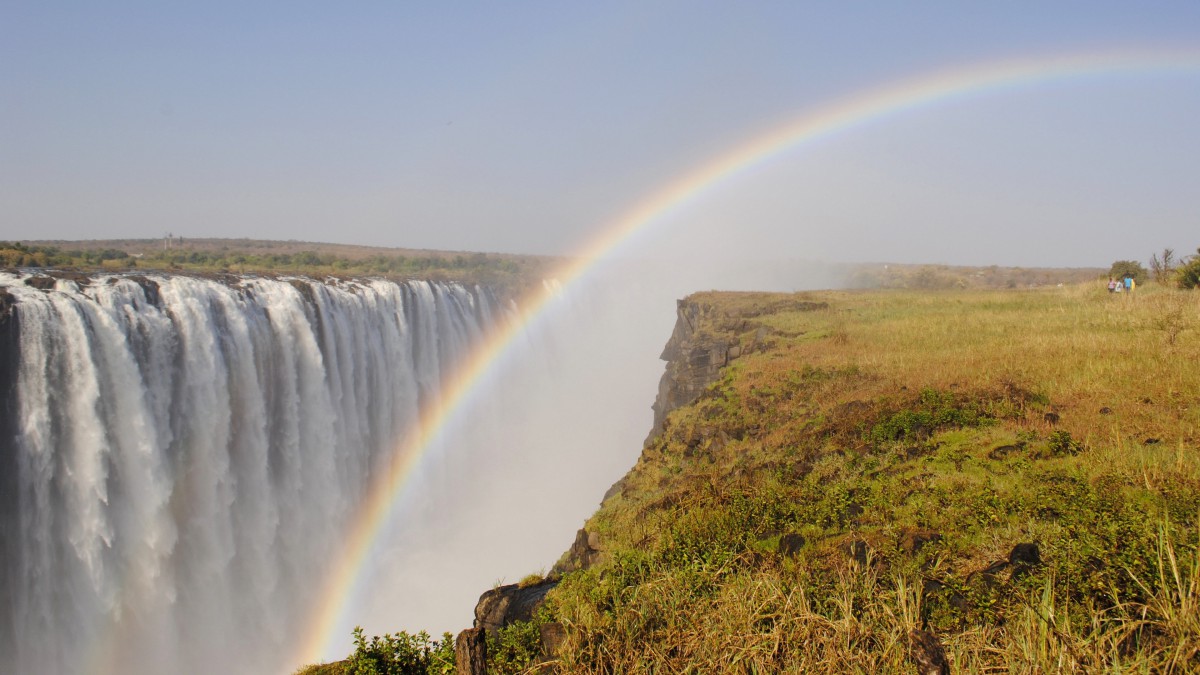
526 126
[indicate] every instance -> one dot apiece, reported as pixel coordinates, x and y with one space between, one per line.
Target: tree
1163 268
1128 268
1188 274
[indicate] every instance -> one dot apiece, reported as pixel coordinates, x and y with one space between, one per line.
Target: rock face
496 609
501 606
694 358
9 363
470 652
584 553
704 341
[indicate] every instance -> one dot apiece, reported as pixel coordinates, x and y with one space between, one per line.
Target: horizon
528 130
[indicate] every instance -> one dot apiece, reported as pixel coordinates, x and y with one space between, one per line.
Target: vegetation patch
1010 479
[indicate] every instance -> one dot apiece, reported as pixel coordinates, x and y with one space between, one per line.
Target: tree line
1165 268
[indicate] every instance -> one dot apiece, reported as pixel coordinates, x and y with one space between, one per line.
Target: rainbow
840 116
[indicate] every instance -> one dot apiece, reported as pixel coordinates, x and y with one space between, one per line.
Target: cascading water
179 456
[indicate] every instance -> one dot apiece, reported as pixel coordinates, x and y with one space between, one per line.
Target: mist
560 418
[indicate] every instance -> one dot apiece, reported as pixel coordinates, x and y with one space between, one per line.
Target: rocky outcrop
705 339
470 652
927 654
584 553
694 357
504 605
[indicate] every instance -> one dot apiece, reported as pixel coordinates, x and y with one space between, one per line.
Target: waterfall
178 455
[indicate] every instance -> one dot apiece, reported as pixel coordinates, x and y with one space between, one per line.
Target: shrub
1188 274
401 654
1129 268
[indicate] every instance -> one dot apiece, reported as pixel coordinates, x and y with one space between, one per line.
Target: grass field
1011 475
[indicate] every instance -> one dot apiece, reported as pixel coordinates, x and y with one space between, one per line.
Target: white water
184 464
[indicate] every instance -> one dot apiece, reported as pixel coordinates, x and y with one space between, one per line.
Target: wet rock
7 304
11 550
927 653
470 652
149 289
42 283
306 290
790 544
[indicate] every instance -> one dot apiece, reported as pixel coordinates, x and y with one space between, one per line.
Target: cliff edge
883 482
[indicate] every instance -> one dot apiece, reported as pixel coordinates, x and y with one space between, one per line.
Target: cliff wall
707 337
9 362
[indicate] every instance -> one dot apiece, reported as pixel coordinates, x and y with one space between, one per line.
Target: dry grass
902 444
881 416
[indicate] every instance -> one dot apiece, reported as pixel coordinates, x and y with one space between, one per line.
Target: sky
528 127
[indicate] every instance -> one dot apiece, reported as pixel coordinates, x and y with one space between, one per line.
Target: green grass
889 415
903 443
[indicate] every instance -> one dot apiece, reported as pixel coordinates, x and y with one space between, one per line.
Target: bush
1129 268
401 654
1188 274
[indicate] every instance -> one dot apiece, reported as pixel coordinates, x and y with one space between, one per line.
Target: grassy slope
898 418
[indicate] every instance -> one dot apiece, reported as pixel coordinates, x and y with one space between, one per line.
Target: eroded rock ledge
706 338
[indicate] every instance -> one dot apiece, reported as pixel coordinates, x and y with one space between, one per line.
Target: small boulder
470 652
1002 451
927 653
41 282
857 550
912 541
1023 558
553 635
790 544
